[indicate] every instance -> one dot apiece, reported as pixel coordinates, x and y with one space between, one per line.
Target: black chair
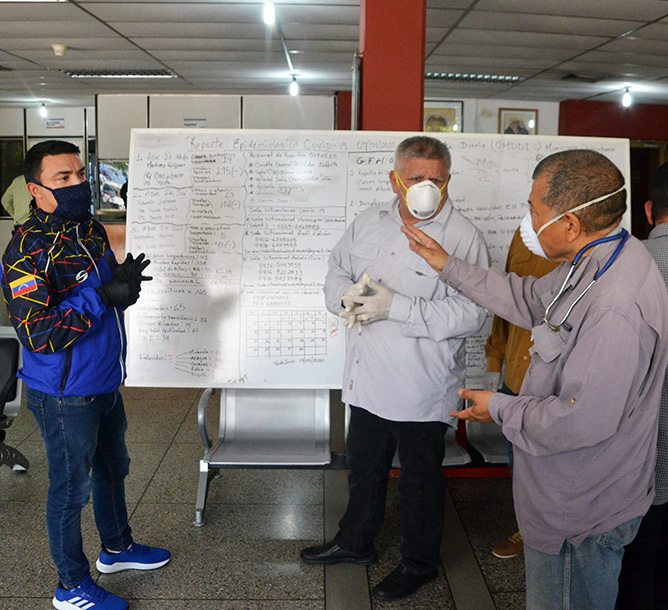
10 396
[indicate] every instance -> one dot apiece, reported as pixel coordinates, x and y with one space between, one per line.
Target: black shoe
401 582
330 553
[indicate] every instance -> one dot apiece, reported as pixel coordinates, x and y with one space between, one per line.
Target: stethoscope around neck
622 237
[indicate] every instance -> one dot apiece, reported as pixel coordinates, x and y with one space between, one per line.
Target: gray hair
578 176
422 147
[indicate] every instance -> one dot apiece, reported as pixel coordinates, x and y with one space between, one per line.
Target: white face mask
530 237
422 198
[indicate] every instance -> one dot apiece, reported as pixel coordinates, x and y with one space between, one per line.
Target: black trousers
643 581
370 447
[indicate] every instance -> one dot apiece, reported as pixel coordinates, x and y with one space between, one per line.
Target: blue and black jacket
73 344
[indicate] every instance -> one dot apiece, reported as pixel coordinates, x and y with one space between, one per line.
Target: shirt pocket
418 266
362 258
548 345
544 375
421 280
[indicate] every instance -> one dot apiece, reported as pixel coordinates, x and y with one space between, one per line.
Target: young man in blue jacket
65 295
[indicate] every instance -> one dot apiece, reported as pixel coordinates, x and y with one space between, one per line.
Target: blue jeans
83 434
579 578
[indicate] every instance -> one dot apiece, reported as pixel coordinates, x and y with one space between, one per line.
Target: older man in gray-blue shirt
584 425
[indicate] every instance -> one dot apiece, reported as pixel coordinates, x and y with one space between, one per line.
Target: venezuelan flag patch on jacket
24 285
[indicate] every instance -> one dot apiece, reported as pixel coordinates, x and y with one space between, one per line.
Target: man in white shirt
404 363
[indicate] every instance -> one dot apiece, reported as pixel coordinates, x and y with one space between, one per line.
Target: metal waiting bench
291 427
262 428
10 396
489 440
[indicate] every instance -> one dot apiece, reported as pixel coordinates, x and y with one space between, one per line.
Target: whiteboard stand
263 428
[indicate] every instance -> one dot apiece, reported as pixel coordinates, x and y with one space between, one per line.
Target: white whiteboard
239 224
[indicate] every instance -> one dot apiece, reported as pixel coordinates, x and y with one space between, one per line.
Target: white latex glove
350 321
355 290
371 307
492 381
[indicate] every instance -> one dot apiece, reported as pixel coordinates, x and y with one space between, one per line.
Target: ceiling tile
223 46
554 24
637 10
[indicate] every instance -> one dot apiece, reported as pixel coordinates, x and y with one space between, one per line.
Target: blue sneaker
87 596
135 557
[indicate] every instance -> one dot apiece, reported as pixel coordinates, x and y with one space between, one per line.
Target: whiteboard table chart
286 333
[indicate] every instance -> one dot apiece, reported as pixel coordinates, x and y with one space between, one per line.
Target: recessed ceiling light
269 13
119 73
486 78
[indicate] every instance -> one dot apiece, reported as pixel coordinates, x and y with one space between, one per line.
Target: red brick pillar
392 40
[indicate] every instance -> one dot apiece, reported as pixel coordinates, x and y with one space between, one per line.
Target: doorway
646 157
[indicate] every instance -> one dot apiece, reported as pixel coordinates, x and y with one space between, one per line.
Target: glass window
11 163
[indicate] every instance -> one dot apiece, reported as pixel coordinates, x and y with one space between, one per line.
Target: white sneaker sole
65 605
128 565
62 605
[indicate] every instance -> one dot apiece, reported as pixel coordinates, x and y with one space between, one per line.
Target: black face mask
73 201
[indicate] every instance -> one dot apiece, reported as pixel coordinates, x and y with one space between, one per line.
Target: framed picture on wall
522 121
443 116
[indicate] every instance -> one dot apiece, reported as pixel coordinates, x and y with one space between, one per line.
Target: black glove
131 268
119 293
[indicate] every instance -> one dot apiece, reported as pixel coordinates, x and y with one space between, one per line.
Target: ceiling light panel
119 73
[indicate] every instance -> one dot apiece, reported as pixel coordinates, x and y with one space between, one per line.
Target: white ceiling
563 49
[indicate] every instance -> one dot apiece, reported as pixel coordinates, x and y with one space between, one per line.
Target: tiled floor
246 556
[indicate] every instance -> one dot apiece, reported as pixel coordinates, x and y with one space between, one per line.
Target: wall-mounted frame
443 116
522 121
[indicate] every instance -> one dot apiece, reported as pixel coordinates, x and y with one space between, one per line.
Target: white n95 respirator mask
422 198
530 237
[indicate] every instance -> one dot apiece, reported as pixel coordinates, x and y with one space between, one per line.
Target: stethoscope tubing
623 237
